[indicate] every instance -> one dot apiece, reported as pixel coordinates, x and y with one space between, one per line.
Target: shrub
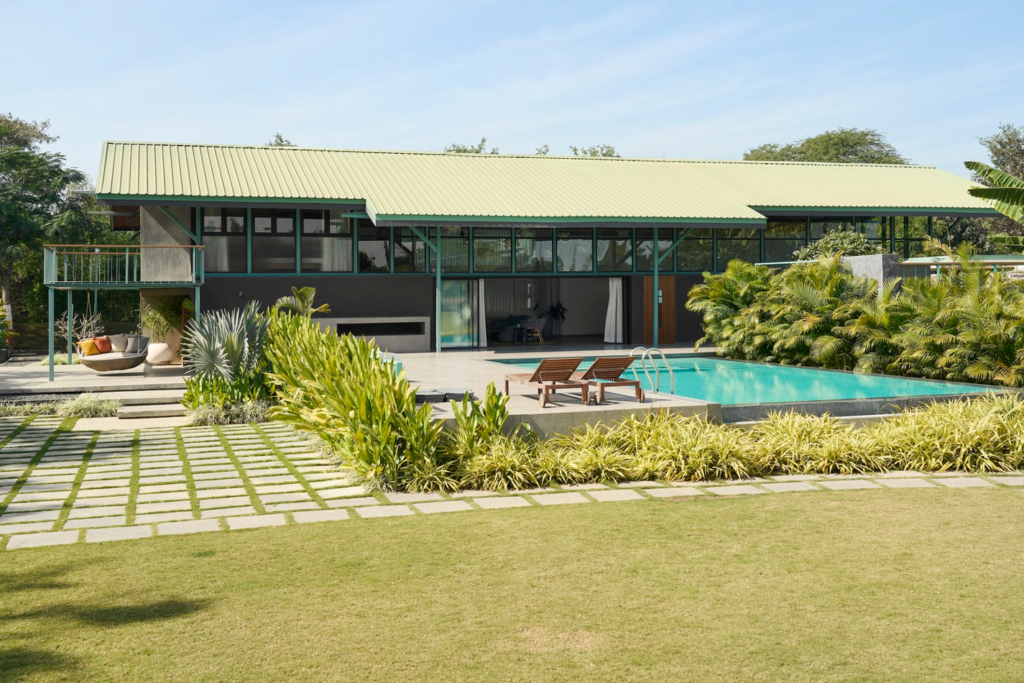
843 242
88 405
231 413
83 405
341 388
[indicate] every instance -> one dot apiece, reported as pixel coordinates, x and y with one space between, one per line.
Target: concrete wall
349 296
879 267
157 229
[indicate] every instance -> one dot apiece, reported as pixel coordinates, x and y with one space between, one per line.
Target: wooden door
666 311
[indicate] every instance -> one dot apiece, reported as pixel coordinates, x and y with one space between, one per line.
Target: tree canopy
842 145
457 148
35 196
594 151
279 141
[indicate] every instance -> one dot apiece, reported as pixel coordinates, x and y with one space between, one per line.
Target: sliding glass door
459 323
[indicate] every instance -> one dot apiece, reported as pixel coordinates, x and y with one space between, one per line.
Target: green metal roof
425 186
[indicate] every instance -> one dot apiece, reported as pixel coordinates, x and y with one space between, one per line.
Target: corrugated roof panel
445 185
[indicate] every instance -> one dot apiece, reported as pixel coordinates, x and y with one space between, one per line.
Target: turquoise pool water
732 382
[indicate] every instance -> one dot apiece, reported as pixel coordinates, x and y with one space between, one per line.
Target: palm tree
1006 193
301 302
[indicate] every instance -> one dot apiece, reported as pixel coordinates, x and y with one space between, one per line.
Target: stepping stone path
60 487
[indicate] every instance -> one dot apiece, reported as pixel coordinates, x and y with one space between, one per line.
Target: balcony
121 266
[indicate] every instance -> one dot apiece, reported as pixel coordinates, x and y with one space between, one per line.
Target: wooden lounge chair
607 372
551 375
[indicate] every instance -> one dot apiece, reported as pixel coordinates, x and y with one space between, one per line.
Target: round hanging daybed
116 360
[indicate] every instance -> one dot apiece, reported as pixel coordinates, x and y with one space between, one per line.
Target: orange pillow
88 348
102 344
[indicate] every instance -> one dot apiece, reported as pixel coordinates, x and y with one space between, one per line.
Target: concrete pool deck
474 369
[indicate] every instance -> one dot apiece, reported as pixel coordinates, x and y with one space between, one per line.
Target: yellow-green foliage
340 388
343 391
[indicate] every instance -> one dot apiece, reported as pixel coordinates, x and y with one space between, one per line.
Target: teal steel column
657 267
437 289
298 240
49 291
248 240
71 324
197 307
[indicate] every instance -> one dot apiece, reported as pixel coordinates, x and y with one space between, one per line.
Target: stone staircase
148 403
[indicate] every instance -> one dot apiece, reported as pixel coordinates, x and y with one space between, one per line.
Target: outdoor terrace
121 266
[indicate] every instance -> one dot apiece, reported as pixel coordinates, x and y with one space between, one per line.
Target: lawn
866 585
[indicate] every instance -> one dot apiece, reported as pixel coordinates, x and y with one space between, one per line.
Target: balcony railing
121 265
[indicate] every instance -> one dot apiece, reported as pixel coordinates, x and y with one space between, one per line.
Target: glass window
743 244
820 226
614 250
575 250
374 248
454 249
694 253
533 250
782 238
326 242
492 250
410 252
645 249
273 241
224 249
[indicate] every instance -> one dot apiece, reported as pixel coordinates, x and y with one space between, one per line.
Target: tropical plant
727 301
300 302
161 319
964 324
225 355
1006 193
358 403
557 311
845 242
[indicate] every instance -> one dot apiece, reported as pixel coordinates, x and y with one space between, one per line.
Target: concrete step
146 397
127 412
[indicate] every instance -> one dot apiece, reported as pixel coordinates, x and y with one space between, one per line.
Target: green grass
854 586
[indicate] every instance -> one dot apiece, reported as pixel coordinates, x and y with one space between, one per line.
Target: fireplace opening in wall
382 329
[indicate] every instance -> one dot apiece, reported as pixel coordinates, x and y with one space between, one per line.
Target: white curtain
482 317
613 332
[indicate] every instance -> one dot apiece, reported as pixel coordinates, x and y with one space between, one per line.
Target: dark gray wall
350 296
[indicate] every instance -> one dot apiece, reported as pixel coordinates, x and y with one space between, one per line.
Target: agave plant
223 350
301 302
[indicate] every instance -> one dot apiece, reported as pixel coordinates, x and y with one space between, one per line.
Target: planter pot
160 354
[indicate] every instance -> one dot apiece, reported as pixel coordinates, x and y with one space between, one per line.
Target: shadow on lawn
17 663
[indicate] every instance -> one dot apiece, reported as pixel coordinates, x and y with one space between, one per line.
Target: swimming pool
731 382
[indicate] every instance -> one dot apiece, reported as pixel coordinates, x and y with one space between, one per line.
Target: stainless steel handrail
656 382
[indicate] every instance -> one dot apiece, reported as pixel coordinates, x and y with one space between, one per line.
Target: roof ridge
538 157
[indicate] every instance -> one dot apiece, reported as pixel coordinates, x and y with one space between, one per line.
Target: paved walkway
63 487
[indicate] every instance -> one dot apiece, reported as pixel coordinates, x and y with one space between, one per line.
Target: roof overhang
839 211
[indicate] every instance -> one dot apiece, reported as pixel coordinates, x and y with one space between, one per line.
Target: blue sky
693 80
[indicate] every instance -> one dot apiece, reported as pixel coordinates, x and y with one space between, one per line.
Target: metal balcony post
71 324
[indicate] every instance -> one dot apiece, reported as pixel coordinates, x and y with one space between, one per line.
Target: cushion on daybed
102 344
118 342
88 347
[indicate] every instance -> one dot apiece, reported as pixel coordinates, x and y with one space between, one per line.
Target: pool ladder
645 354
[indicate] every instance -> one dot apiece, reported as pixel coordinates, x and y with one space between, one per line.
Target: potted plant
161 320
556 312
